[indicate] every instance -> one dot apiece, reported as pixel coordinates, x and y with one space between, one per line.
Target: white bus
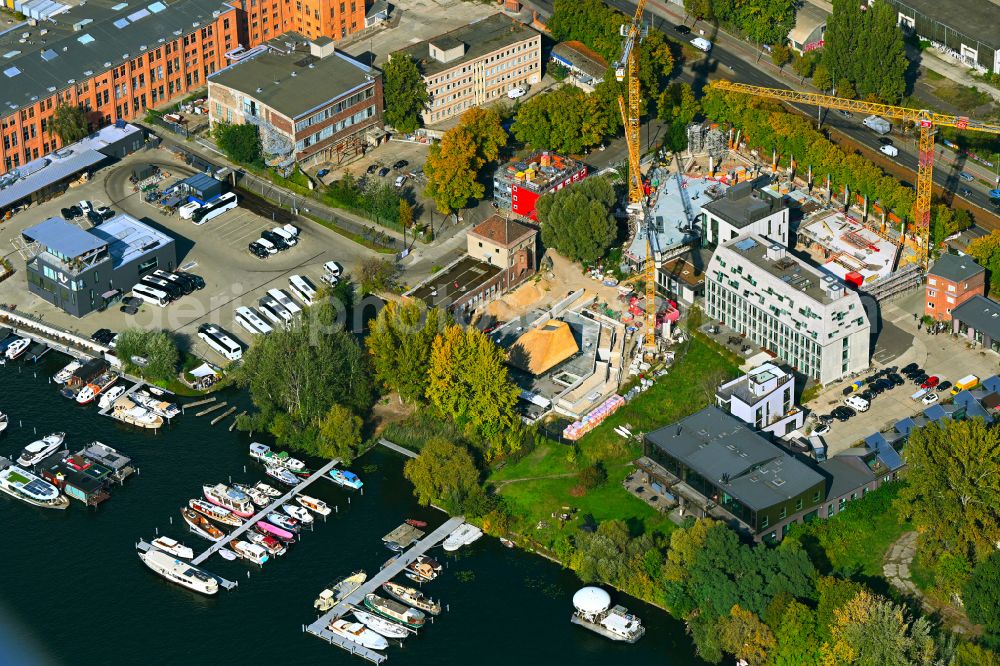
188 209
176 280
273 310
303 289
150 295
220 341
251 321
215 208
285 300
170 288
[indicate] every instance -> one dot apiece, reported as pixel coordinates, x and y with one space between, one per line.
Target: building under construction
518 184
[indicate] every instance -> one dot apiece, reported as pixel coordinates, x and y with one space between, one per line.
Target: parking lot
217 251
899 344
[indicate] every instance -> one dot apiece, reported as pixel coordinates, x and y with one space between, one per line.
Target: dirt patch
389 410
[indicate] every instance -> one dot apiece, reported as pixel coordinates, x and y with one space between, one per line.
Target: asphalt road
735 60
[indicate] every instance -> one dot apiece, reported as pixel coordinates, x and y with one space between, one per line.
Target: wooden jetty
274 506
319 627
223 415
233 424
142 546
199 403
213 408
397 448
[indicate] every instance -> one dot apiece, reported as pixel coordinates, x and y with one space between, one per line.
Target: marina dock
132 389
397 448
319 627
404 535
273 506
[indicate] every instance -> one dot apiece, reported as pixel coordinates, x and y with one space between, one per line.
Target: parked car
857 403
71 212
103 336
399 164
275 240
896 379
383 172
332 268
322 172
258 250
966 176
920 379
943 386
400 180
85 206
930 398
682 30
910 367
196 280
517 92
842 413
372 168
931 382
821 429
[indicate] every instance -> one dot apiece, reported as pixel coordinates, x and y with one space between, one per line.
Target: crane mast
925 120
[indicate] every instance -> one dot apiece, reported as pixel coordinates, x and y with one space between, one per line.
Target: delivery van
701 44
964 384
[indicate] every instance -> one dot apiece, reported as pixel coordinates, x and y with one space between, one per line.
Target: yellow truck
964 384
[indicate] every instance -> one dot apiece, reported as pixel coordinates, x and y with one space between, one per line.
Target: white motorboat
283 521
462 535
314 505
250 552
227 554
25 486
346 478
298 513
281 474
358 633
175 548
263 453
108 399
380 625
270 491
37 451
257 496
63 375
167 410
4 421
17 348
179 572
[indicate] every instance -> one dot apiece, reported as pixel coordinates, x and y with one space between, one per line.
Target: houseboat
412 597
158 406
21 484
126 411
179 572
395 611
229 498
263 453
339 591
592 609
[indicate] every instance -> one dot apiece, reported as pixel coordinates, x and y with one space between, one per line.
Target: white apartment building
476 64
765 398
744 209
807 318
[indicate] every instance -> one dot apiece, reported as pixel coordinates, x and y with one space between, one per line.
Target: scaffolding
705 139
902 281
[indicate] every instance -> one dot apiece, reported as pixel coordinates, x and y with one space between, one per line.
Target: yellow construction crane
628 67
925 120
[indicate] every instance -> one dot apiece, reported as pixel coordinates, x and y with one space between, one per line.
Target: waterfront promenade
319 627
260 515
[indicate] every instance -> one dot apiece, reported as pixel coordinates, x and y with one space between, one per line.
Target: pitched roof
955 268
502 231
981 313
544 347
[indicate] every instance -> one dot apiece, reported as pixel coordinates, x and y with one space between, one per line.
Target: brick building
116 59
951 281
517 185
507 244
476 64
311 102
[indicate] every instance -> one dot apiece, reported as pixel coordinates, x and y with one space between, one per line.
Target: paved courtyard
217 251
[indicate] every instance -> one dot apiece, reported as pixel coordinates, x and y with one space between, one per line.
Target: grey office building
80 270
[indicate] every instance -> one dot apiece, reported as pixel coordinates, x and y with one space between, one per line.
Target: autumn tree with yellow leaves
453 164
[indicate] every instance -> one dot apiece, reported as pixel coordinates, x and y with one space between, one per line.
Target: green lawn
687 387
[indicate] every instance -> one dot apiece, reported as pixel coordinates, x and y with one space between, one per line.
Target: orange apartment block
951 281
117 59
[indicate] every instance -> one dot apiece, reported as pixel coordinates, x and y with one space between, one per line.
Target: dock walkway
397 448
273 506
132 389
319 627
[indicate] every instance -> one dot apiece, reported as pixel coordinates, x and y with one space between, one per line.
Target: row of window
471 66
330 130
335 109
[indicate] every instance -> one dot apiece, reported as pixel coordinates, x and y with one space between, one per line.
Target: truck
891 151
877 124
964 384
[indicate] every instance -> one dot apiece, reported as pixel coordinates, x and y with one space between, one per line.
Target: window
930 306
798 504
784 513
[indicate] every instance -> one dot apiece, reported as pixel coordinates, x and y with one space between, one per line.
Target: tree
612 555
766 21
399 342
781 55
981 594
339 434
986 251
742 634
592 476
405 214
656 63
821 77
444 473
376 275
240 143
698 8
404 91
953 490
576 221
845 89
678 106
567 120
864 47
970 654
946 221
453 164
468 382
149 354
69 123
589 21
870 630
796 640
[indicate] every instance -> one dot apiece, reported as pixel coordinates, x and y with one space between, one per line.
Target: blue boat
347 479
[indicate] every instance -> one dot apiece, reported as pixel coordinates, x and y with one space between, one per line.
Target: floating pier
273 506
319 627
233 424
132 389
199 403
213 408
223 415
397 448
404 535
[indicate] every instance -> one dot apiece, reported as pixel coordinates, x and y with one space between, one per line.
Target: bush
592 476
240 143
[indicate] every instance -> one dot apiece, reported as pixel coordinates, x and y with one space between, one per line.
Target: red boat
415 523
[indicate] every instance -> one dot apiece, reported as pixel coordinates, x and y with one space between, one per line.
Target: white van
332 268
267 245
516 92
188 209
891 151
285 235
857 403
701 44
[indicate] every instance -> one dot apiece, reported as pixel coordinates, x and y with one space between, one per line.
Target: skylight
85 38
141 14
11 72
121 23
49 55
11 54
157 7
119 6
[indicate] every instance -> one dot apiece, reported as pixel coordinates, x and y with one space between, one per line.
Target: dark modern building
761 488
978 319
81 271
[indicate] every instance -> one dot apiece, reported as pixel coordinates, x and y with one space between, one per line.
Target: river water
72 590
